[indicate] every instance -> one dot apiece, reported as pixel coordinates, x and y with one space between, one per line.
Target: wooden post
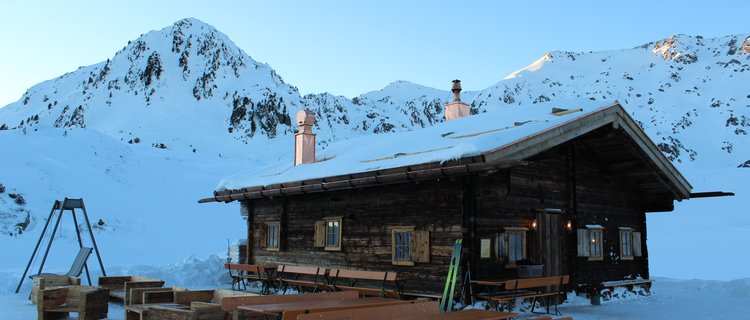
246 210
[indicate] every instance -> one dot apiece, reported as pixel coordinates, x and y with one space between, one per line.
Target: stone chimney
456 109
304 140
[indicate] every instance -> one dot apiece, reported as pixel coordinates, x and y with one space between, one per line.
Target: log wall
368 215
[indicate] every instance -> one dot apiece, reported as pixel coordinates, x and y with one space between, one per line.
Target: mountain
144 134
191 73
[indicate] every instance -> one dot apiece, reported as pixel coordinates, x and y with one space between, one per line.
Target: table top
277 308
472 314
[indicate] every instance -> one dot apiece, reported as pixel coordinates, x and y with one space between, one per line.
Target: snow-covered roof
449 140
498 138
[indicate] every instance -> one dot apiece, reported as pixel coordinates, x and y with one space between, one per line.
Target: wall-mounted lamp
569 225
533 224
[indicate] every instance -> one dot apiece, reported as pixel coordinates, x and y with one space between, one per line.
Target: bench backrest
414 309
300 270
231 303
118 282
69 296
539 282
186 297
359 274
248 268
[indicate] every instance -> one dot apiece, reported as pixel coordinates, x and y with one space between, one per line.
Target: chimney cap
456 85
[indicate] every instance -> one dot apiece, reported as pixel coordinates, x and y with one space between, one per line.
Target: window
590 242
328 234
409 246
512 245
626 243
272 236
333 234
596 244
401 247
630 243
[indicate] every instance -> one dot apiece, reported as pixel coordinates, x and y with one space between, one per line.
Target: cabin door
550 243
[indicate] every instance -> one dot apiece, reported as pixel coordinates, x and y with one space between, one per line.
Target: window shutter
320 234
262 235
502 250
583 243
421 246
636 244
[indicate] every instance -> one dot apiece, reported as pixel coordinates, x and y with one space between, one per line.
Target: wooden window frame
485 244
626 234
594 244
410 231
336 246
270 236
506 244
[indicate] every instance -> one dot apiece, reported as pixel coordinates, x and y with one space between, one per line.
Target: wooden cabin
563 184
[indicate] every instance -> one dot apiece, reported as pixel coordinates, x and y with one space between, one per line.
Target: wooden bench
249 273
89 302
311 278
629 284
367 283
151 295
532 288
50 281
119 286
232 304
191 305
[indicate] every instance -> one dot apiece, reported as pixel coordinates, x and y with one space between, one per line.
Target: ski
446 302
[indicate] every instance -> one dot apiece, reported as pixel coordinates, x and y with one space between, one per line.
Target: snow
534 66
697 112
670 299
455 139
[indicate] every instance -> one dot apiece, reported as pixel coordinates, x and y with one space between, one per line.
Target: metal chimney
456 109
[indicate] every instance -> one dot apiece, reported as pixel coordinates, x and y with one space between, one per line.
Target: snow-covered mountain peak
188 71
404 89
534 66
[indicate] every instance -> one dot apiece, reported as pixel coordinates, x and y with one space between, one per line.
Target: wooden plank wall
367 218
611 202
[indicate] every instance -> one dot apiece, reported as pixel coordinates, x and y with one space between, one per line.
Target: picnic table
292 309
245 273
527 288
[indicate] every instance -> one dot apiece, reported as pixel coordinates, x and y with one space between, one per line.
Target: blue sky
351 47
